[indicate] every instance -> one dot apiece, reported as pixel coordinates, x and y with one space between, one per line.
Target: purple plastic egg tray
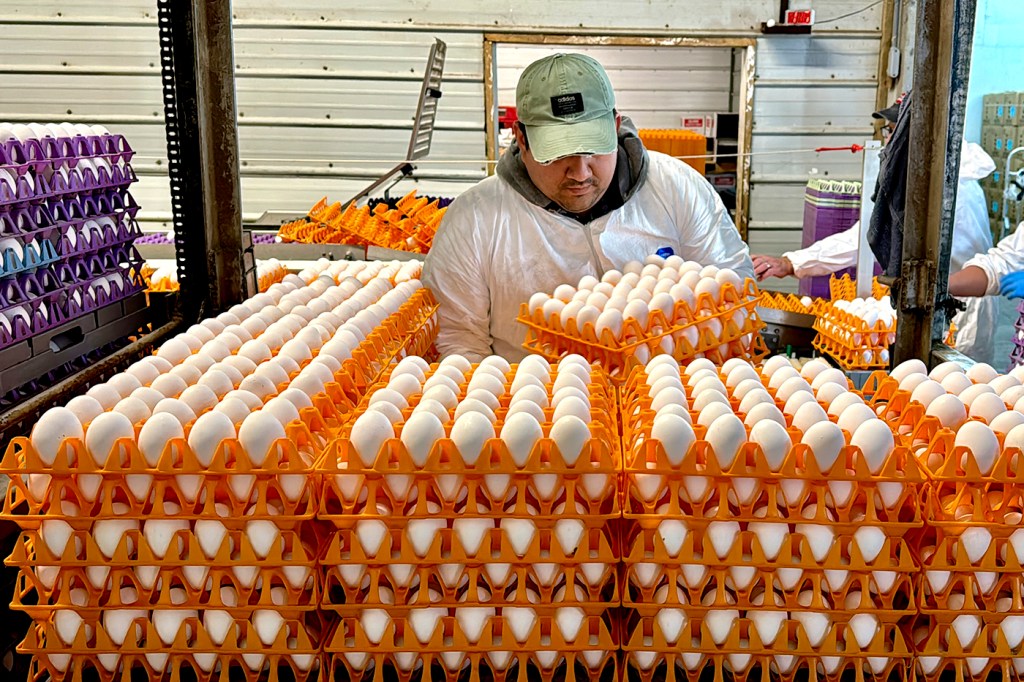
67 225
29 188
33 302
1017 354
51 152
829 208
153 238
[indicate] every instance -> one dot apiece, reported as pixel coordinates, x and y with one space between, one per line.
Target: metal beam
197 69
65 388
944 32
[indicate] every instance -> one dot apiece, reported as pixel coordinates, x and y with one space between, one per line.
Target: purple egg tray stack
1017 354
830 206
67 226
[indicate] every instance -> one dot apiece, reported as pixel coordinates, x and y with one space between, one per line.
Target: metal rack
419 140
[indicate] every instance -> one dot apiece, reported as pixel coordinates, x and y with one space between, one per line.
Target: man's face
575 183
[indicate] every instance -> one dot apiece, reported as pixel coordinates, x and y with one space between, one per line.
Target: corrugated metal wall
653 85
326 90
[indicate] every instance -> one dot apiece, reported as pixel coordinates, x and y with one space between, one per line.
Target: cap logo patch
567 105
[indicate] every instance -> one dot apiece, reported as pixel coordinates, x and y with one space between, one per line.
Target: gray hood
630 171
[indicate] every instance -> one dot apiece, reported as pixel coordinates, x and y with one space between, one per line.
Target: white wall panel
786 159
811 92
324 85
621 15
653 86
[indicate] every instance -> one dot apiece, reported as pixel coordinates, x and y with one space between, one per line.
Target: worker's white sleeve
709 234
455 273
1005 257
831 254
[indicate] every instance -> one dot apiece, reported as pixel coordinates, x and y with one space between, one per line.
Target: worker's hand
770 266
1012 285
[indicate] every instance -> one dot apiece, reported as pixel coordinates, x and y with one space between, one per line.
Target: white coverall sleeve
709 234
826 256
456 275
1005 257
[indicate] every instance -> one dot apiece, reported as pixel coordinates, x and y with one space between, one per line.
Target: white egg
854 415
987 407
876 443
764 411
520 433
87 408
908 367
774 441
981 441
570 434
207 434
826 441
419 434
982 373
950 410
725 436
927 391
179 410
51 430
940 371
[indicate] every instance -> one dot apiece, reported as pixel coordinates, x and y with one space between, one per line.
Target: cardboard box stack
1001 133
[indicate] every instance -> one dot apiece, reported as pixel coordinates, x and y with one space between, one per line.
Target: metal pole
960 47
865 258
222 197
941 26
197 70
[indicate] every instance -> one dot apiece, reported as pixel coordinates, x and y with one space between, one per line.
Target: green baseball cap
568 107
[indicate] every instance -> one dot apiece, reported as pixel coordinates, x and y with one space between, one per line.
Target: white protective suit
1005 257
971 236
494 249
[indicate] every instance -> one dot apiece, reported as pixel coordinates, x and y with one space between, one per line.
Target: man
971 235
576 194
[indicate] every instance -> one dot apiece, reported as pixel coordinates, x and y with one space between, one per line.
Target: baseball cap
568 107
889 114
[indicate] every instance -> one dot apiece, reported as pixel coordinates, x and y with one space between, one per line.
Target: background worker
971 236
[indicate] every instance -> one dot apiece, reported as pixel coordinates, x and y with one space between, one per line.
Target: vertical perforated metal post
197 71
942 58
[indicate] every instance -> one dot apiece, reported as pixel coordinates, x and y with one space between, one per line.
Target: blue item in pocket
665 252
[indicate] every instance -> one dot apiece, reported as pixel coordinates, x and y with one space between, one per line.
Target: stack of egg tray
214 567
686 145
850 341
410 226
790 303
1017 354
845 288
696 572
688 334
449 569
970 585
972 560
67 223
